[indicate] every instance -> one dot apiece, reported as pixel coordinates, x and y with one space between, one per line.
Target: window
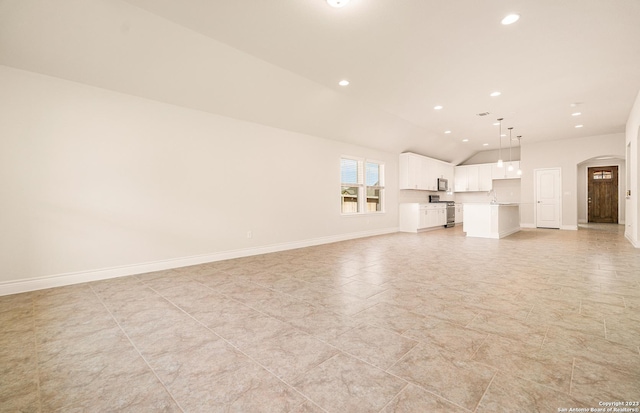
362 186
602 175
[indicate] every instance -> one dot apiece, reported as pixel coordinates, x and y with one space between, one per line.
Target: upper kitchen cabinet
469 178
422 173
504 172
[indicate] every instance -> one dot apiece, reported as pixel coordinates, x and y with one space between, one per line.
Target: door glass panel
600 175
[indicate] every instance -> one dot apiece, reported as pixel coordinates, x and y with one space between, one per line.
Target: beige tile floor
433 322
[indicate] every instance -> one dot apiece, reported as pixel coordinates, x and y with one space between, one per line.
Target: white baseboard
633 242
562 227
60 280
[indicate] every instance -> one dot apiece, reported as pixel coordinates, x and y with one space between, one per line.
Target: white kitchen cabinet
485 177
429 171
409 171
470 178
414 171
473 178
435 215
461 180
441 219
422 173
416 217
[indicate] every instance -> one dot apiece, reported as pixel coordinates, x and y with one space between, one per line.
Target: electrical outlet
249 234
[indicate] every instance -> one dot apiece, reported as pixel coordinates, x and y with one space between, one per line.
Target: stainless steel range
451 209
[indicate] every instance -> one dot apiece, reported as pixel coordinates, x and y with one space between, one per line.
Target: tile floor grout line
393 398
480 346
545 337
269 288
472 320
137 349
530 311
485 391
398 361
501 370
573 367
408 383
37 353
417 343
239 349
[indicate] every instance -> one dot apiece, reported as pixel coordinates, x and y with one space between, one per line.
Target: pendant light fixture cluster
500 163
510 168
519 172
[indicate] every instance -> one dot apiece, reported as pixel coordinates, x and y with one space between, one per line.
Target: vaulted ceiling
279 63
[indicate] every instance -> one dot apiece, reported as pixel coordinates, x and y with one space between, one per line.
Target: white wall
103 183
493 155
632 141
583 184
565 154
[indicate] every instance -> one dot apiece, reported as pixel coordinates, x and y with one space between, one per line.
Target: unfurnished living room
319 206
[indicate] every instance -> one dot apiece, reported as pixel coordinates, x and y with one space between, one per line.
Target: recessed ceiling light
485 144
337 3
343 82
576 114
496 123
447 132
579 126
494 94
510 19
465 140
437 107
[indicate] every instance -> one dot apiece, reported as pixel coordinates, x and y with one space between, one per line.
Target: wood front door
602 198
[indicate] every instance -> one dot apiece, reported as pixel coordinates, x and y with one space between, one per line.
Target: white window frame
362 186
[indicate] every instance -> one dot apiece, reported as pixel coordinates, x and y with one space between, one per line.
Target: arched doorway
601 188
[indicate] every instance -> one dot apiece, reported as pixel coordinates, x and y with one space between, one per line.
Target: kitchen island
495 220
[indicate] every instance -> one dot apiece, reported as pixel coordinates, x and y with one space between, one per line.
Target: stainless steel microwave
443 184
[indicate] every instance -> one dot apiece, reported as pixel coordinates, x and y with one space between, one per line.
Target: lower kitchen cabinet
415 217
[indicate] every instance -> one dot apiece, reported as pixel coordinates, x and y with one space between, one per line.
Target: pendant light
510 168
500 163
519 172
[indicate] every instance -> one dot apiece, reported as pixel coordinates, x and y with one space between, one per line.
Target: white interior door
548 191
